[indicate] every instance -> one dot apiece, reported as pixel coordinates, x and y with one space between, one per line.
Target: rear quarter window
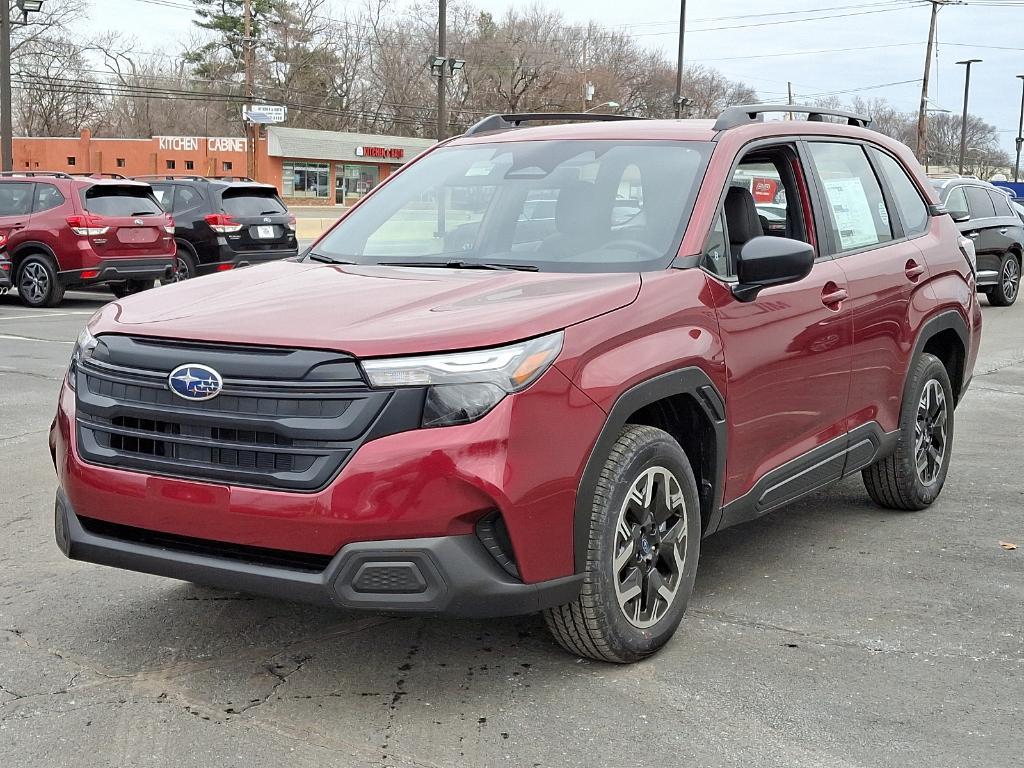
246 203
911 208
120 201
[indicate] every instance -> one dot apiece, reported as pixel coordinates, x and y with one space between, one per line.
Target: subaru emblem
138 222
266 219
195 382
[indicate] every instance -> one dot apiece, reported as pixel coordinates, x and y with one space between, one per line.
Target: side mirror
767 261
960 215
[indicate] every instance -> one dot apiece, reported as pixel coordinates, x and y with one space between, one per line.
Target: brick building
307 166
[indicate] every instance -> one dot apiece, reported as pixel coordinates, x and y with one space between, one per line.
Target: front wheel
1004 293
642 552
912 477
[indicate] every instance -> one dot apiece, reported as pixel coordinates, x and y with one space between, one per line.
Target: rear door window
186 198
248 203
16 198
121 201
912 209
857 212
980 203
47 197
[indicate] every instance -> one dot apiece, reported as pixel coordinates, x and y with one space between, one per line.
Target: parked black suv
225 222
984 214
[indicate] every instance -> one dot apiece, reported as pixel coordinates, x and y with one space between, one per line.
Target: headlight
464 386
83 350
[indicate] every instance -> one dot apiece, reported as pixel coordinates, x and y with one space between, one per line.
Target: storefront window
353 181
306 180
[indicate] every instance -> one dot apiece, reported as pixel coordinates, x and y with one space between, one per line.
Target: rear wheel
913 476
38 283
642 552
129 287
185 266
1004 293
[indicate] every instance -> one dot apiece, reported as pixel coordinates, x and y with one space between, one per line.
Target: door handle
914 270
972 234
832 296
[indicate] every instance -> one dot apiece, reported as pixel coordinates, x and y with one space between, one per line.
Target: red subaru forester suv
531 371
76 230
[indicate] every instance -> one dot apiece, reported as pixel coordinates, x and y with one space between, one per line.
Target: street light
612 104
6 124
963 124
1020 132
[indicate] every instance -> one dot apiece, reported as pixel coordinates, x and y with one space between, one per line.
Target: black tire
130 287
1004 293
37 282
896 482
595 625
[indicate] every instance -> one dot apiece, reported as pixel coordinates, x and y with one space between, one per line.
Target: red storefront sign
384 153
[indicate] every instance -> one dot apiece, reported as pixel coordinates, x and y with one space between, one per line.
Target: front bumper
451 575
118 270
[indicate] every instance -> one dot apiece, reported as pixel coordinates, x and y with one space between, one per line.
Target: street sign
264 113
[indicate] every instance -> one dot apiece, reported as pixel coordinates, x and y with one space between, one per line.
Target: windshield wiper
143 213
460 265
323 259
267 213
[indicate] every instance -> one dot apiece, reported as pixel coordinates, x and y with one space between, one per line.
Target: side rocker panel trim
692 381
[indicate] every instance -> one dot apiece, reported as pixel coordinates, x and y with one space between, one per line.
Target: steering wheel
638 245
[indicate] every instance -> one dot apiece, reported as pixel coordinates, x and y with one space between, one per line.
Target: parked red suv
534 418
68 231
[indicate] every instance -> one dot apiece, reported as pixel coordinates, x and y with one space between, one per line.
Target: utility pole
963 121
789 90
679 60
251 129
6 123
1020 132
442 53
922 115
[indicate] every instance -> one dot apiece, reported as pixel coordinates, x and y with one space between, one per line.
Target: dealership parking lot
831 633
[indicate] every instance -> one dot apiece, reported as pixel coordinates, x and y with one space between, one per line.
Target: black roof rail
751 113
516 120
31 174
191 177
168 176
100 175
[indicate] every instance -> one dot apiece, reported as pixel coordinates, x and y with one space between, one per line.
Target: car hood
367 311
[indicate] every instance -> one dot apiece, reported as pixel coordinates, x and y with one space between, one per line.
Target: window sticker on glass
480 169
852 213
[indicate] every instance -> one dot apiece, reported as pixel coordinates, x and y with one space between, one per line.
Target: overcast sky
884 42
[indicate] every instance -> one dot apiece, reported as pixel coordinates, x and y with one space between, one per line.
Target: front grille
285 419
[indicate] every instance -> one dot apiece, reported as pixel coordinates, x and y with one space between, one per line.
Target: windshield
121 201
568 206
247 202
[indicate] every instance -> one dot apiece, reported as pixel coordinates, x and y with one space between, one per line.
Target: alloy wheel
1010 278
650 547
181 270
35 282
930 433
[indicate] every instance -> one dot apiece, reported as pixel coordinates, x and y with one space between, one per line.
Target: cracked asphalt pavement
831 633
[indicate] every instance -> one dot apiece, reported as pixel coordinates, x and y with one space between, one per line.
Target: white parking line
9 337
43 314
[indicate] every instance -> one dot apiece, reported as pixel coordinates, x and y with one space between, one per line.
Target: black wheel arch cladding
691 381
